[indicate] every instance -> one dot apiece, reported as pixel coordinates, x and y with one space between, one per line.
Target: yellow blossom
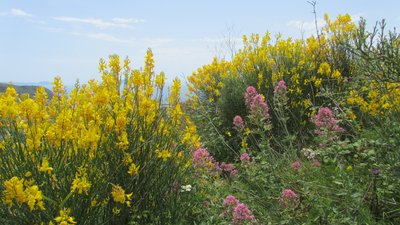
247 131
64 218
164 154
34 196
324 69
80 184
133 169
14 188
119 196
244 143
45 166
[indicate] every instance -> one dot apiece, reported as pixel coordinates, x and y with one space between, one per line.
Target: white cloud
19 13
51 29
127 20
307 27
102 37
99 23
356 17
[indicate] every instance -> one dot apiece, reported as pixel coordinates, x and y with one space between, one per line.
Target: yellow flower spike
114 64
174 95
160 80
93 203
80 184
45 166
34 196
324 69
119 196
14 188
164 154
127 159
349 168
247 131
64 218
244 144
127 62
336 74
133 169
102 65
350 114
149 65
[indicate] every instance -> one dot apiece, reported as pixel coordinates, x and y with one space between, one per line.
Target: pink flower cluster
288 197
245 157
238 122
280 87
296 165
230 200
240 212
202 159
227 167
288 194
249 95
256 103
325 122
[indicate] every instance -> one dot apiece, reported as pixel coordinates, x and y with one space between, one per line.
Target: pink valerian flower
238 122
228 167
242 214
288 197
245 157
231 200
280 88
288 194
325 122
256 103
259 107
249 95
296 165
316 163
201 158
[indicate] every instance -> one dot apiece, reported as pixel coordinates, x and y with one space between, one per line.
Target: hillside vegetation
286 132
31 90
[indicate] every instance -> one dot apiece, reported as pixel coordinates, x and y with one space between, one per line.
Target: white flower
186 188
309 153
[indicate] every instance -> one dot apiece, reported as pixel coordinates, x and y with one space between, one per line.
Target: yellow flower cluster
76 141
133 169
64 218
80 184
164 154
45 166
119 196
19 190
376 99
307 66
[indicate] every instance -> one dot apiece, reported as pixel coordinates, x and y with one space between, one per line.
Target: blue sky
44 38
